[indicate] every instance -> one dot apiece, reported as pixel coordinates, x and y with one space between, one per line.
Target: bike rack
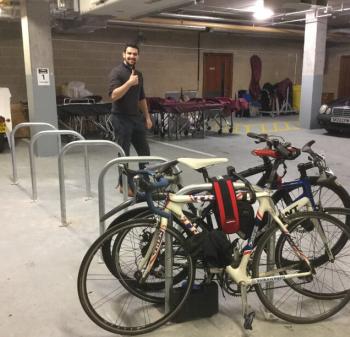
125 160
32 157
101 207
13 145
84 143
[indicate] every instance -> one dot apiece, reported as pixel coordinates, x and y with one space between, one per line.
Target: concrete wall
168 60
12 73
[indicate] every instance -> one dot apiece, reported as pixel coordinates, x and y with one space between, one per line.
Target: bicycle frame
305 184
174 205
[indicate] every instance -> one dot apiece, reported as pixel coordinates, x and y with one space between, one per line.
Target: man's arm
144 108
119 92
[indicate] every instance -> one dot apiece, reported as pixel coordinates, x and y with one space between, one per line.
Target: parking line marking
247 127
263 128
183 148
275 127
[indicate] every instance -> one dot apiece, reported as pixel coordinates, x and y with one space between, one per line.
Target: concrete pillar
313 68
38 62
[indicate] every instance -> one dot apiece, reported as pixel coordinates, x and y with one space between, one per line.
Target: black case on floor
202 302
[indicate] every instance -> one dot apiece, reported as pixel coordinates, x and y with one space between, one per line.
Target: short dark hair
131 45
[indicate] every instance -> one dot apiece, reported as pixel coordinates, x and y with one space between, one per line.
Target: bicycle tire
295 300
318 261
134 213
145 291
127 323
335 196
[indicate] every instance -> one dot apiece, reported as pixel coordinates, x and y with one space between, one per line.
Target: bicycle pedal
248 320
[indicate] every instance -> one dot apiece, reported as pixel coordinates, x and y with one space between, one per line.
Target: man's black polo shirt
128 104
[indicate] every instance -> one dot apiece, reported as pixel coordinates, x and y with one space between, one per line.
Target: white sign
43 76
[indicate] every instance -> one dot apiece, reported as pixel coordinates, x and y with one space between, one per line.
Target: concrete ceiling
222 15
235 16
286 12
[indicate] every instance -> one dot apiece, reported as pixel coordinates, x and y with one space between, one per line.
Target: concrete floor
40 258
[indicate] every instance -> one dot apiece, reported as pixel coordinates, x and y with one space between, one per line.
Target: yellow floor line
263 128
286 126
275 127
247 127
236 128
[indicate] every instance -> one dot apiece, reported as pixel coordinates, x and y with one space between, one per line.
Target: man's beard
131 65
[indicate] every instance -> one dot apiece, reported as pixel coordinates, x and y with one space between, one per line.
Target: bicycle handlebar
317 159
161 182
284 149
261 137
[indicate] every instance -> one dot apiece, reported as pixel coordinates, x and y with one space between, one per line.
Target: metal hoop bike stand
13 145
64 150
101 189
32 157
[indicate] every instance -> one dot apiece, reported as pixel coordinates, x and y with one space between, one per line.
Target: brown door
217 75
344 77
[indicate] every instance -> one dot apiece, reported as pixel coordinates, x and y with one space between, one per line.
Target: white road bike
293 265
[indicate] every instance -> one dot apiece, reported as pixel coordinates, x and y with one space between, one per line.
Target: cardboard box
19 114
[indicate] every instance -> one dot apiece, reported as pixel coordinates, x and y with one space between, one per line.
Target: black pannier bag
212 246
232 215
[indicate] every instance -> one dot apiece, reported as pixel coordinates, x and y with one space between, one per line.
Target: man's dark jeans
130 130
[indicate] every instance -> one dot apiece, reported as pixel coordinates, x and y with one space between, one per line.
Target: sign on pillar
43 76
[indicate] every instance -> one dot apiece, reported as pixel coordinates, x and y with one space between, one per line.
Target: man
128 99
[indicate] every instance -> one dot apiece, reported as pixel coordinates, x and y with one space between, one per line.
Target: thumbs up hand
134 79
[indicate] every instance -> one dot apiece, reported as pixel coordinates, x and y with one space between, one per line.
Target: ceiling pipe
156 25
199 17
230 17
229 27
195 10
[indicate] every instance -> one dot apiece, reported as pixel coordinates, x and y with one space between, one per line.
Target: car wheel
332 131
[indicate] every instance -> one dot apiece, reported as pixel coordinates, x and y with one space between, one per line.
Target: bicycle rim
304 299
108 302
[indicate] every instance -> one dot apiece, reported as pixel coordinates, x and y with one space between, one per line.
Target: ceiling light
263 13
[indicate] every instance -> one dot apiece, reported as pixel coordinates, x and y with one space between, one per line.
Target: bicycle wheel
134 213
310 298
105 298
148 290
321 259
328 194
152 290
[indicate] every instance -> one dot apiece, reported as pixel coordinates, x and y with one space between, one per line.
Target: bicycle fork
147 262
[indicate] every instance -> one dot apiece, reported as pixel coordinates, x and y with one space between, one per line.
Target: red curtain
254 86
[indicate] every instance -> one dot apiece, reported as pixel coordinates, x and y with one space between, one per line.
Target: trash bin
5 106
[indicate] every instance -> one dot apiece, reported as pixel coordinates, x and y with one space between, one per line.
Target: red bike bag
226 208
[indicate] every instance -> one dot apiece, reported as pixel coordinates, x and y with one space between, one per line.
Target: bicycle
287 192
322 190
152 250
284 196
